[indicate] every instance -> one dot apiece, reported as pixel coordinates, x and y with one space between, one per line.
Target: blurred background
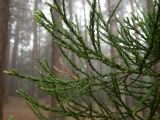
27 42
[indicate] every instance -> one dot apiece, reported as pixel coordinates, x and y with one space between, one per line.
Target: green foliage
11 118
137 45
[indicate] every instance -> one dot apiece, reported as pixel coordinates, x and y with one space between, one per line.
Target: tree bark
73 57
85 33
4 18
113 25
34 91
113 28
55 57
13 82
149 5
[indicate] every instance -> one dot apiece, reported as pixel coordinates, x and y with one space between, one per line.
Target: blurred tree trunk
4 18
129 100
149 5
73 57
113 25
132 6
13 81
55 51
8 62
55 57
20 59
34 90
85 31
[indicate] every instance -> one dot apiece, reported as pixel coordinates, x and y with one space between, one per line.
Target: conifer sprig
137 47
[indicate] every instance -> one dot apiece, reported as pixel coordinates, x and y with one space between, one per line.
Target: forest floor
18 108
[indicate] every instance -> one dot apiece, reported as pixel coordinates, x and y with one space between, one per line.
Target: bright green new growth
11 118
137 45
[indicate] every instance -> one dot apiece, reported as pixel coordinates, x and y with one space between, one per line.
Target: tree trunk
13 81
132 6
73 57
34 91
85 33
113 25
113 28
129 99
149 5
55 58
4 18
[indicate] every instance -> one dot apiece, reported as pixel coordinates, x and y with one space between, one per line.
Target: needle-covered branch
101 95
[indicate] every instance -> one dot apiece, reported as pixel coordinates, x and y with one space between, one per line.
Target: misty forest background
24 41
